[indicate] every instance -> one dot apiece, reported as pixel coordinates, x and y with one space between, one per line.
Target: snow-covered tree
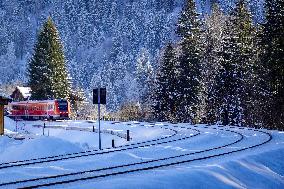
273 59
9 69
213 46
166 84
47 70
235 82
189 29
143 73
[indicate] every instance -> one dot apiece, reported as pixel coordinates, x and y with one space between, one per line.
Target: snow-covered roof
25 91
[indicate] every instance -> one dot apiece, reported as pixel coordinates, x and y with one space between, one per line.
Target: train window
50 107
63 105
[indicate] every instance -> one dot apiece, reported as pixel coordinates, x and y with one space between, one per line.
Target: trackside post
112 143
127 136
43 129
99 97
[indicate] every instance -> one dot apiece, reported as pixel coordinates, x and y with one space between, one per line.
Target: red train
45 109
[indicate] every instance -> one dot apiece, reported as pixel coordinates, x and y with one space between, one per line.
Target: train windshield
62 105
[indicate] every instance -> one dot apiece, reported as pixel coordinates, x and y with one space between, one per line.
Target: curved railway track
157 141
138 166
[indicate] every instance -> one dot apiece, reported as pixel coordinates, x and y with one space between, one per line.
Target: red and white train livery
44 109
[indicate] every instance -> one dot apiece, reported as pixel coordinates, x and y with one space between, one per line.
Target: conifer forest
196 61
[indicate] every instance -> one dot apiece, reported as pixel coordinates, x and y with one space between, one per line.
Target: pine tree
189 29
165 87
235 82
213 45
143 70
273 43
261 94
9 69
46 69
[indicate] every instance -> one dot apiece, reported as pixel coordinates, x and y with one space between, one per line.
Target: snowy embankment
62 141
262 169
259 167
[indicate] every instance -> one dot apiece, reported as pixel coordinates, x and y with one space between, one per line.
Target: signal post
99 97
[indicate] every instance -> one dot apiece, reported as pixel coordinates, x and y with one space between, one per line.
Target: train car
39 110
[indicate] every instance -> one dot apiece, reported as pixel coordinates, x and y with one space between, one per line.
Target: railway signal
99 92
99 97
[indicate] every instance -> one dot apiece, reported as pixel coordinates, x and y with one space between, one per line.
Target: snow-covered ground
62 141
178 155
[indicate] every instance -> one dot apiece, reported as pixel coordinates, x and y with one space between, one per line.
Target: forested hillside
106 42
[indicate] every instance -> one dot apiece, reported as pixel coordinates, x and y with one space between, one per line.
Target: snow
39 147
81 140
249 172
25 91
9 124
260 167
260 170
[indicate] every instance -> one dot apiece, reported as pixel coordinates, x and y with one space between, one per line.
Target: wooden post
127 136
1 119
112 143
43 128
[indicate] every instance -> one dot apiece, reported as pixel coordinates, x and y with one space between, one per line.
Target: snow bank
264 170
9 124
262 167
12 150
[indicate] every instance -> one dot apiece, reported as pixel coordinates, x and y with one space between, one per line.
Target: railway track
157 141
138 166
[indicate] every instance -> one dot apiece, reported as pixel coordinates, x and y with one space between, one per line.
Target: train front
63 108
